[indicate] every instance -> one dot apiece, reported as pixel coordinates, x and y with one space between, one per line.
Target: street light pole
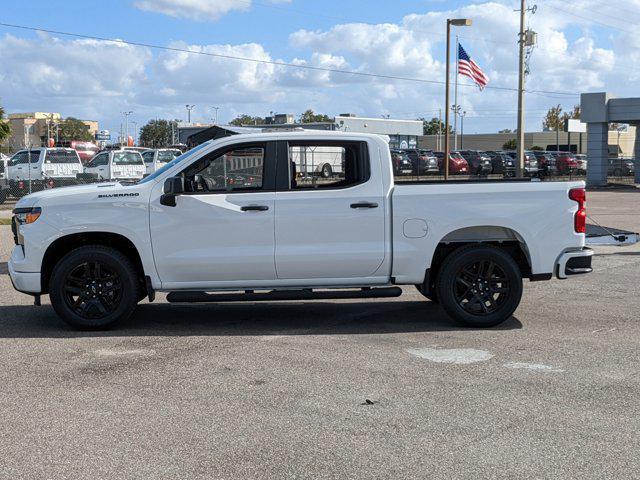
189 108
462 115
215 122
458 22
126 128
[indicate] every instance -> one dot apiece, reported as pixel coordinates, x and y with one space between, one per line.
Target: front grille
14 229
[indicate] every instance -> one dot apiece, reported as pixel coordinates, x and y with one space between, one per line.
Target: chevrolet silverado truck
233 220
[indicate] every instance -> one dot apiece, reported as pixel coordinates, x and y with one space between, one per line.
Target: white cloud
196 9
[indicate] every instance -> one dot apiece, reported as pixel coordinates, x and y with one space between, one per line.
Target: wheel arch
67 243
501 237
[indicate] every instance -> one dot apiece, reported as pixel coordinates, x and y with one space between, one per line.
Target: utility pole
520 136
215 121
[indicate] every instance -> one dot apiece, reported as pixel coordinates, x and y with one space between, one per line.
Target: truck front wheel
93 287
479 286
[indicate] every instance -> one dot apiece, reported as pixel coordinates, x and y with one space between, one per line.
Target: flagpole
455 99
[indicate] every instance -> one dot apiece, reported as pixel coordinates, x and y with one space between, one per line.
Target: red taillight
580 220
20 185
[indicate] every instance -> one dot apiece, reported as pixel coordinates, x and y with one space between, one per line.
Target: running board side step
275 295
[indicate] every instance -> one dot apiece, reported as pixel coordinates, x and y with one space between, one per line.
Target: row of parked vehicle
475 162
44 167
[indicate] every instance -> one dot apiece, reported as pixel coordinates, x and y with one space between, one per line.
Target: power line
268 62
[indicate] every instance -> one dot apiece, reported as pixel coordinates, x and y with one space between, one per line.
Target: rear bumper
576 262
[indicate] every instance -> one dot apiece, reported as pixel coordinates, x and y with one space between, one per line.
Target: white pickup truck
210 227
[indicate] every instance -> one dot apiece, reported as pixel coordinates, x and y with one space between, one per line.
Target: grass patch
5 221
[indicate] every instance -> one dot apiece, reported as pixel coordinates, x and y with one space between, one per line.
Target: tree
536 147
5 129
510 144
556 118
506 130
244 119
73 129
158 133
309 117
433 126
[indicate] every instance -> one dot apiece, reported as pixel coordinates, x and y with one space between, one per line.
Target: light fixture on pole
456 22
189 108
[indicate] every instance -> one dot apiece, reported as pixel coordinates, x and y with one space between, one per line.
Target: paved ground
350 389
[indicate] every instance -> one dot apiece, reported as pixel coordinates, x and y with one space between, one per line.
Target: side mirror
173 186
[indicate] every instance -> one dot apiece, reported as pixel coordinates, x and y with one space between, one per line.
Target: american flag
466 66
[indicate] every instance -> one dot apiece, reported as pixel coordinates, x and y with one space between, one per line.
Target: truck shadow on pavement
283 318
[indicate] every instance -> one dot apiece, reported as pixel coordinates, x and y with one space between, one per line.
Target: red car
86 150
457 164
566 163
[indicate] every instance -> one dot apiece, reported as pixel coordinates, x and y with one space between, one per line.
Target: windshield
127 158
165 156
173 162
61 156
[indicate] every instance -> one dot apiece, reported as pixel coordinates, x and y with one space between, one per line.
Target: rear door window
148 157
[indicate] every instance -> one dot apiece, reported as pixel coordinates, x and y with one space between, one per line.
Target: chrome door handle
254 208
364 205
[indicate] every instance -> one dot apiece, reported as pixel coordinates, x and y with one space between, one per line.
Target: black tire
479 286
326 171
3 196
94 287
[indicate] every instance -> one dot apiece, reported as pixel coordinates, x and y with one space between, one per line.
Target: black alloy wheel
481 287
92 290
94 286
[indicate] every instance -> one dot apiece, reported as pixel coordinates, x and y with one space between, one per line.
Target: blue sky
584 46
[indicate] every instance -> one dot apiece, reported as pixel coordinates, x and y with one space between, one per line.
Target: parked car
43 168
424 161
581 159
4 183
457 164
502 163
401 162
121 165
156 159
530 163
98 250
86 150
566 163
621 167
479 162
546 163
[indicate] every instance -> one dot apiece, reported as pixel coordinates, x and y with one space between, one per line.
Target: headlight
27 215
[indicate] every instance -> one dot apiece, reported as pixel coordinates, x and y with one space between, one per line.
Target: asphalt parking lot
340 389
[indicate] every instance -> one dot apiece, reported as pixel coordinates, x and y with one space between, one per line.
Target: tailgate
62 170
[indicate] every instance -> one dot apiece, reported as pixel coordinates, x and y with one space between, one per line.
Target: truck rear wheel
93 287
479 286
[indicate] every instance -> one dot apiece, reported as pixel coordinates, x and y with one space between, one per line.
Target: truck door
221 229
329 227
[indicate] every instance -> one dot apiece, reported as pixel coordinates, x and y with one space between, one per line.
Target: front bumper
576 262
25 282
